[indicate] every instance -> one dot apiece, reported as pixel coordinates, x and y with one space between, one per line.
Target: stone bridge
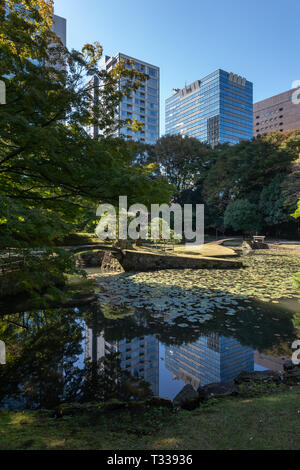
140 261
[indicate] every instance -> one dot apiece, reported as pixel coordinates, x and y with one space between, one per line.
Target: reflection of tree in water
103 380
259 325
43 348
42 351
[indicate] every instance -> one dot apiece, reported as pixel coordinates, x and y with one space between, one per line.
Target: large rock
216 390
289 365
266 376
188 398
249 245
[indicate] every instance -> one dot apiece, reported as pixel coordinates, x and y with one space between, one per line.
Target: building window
152 72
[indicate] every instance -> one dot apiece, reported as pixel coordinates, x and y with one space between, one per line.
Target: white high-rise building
143 105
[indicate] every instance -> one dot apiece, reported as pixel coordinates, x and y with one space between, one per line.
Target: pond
164 329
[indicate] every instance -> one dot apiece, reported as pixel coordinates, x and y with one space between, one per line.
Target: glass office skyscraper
211 359
60 28
216 109
143 105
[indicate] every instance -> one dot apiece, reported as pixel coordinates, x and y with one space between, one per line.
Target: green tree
52 172
241 171
271 203
242 215
291 186
296 214
183 160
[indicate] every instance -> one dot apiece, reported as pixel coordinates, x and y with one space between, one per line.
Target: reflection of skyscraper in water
139 356
211 359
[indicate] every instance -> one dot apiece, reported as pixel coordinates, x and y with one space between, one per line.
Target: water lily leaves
197 295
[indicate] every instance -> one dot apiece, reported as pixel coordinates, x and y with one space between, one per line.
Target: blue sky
258 39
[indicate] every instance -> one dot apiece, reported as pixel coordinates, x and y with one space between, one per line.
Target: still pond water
170 328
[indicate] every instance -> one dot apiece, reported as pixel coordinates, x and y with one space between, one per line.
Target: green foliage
265 171
297 279
242 215
40 277
52 173
183 160
77 239
296 317
242 170
272 203
254 389
259 171
296 215
291 185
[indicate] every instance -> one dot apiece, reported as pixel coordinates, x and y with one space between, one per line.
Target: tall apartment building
211 359
216 109
139 356
143 105
276 114
60 28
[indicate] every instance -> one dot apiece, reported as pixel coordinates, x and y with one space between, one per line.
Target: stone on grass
216 390
187 399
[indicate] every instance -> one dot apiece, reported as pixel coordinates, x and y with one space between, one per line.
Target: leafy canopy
52 172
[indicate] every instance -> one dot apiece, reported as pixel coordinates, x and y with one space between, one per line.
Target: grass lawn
271 422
